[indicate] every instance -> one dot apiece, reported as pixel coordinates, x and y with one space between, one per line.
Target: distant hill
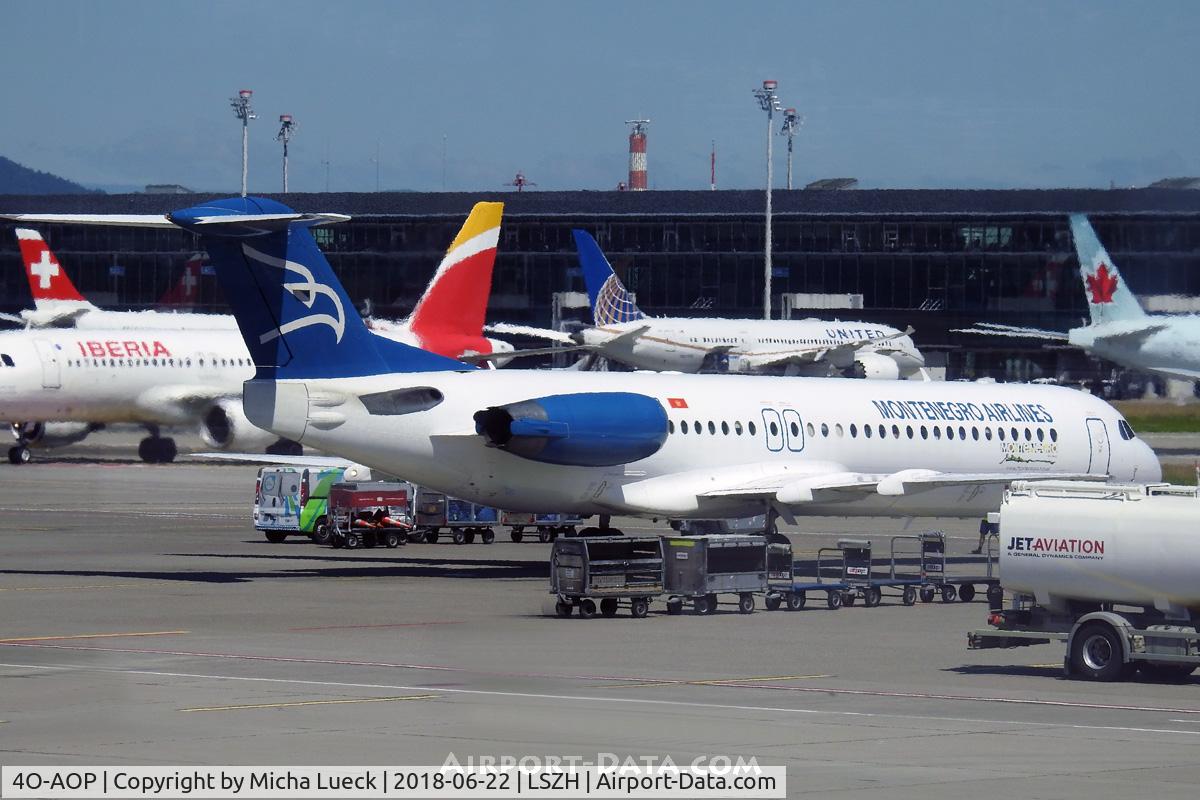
16 179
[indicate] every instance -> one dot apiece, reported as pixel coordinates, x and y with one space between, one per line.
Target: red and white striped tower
637 154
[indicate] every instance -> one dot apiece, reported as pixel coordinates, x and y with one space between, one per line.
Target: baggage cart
700 568
598 572
547 526
789 588
463 519
934 576
858 574
369 514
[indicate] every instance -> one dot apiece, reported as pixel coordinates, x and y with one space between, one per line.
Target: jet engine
873 366
52 434
597 429
225 427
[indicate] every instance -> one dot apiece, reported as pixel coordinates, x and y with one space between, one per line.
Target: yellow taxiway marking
85 586
712 682
316 703
1059 664
92 636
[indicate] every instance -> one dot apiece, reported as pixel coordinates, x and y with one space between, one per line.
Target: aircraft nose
1146 466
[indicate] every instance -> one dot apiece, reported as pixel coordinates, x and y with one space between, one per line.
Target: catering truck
294 500
1111 570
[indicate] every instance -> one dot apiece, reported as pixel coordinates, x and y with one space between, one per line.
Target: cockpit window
6 359
1126 430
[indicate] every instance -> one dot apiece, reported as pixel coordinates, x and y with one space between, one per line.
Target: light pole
287 127
791 126
241 108
769 102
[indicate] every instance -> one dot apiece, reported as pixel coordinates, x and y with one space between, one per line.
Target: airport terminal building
933 259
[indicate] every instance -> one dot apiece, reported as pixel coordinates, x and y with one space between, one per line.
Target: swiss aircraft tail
455 301
295 317
611 302
48 282
1109 298
185 294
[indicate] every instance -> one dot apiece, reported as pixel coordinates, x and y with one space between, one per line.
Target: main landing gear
605 528
285 447
156 449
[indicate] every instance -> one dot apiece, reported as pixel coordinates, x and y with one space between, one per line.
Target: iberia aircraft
810 347
57 385
651 445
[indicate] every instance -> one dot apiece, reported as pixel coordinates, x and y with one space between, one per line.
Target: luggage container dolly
934 578
700 568
599 573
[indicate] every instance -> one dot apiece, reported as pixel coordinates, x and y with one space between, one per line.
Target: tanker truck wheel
995 597
927 593
1096 653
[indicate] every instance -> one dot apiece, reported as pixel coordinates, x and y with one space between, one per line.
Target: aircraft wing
994 329
182 404
267 458
1132 333
505 328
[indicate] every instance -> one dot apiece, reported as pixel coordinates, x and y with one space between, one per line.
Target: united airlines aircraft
665 445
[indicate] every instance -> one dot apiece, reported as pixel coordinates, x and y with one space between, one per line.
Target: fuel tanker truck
1111 570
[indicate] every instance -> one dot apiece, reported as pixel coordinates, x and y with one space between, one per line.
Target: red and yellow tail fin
455 301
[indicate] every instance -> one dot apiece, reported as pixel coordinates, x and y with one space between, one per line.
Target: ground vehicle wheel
562 608
488 536
459 537
872 596
470 537
544 535
966 592
320 532
772 601
833 599
948 593
796 600
275 537
700 605
848 598
995 597
927 593
391 539
1167 673
1096 653
587 608
431 535
516 536
674 606
909 597
712 603
19 454
608 606
639 607
352 541
746 603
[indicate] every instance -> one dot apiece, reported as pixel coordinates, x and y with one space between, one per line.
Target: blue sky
899 94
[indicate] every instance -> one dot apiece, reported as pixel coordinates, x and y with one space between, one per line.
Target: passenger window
1054 434
812 431
670 426
1041 435
975 433
1015 434
774 429
7 359
737 428
825 429
750 427
725 428
866 431
853 431
1028 435
937 431
838 429
987 434
697 427
962 432
1000 433
683 426
908 429
712 429
924 432
949 432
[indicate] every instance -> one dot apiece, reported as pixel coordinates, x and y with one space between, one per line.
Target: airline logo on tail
456 299
306 292
1102 285
47 280
613 303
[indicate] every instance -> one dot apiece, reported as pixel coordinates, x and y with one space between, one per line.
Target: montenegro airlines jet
683 344
677 446
57 385
1120 330
448 319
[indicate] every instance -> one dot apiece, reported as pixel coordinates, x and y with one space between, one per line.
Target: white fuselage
146 376
722 438
1173 351
682 344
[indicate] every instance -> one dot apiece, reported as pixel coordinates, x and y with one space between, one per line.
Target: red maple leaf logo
1102 285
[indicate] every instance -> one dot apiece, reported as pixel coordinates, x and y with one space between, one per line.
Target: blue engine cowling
597 429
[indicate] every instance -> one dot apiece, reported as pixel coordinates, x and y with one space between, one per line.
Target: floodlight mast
791 126
287 128
241 108
769 102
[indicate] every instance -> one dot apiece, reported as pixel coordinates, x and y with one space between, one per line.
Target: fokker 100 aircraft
57 385
665 445
703 344
1120 330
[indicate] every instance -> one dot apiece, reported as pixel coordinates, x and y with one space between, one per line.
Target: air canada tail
295 317
1109 298
455 301
48 281
611 303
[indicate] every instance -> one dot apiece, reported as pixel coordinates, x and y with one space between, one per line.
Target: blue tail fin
294 315
611 303
1109 299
